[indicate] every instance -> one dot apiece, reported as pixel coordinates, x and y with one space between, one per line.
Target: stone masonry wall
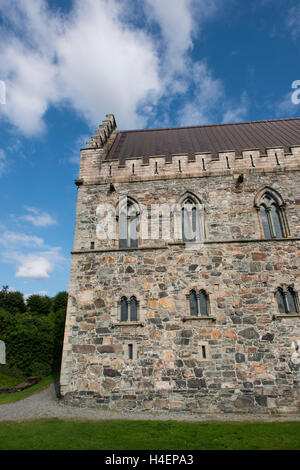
240 358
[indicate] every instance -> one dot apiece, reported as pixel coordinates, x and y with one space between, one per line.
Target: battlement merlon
203 164
97 149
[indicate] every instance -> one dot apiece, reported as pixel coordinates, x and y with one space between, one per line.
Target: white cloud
89 60
36 266
237 113
293 21
38 218
31 256
209 101
9 239
79 143
94 60
285 107
2 161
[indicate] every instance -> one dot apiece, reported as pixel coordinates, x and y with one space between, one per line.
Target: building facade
184 291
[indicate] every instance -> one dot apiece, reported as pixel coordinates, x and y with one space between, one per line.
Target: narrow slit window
130 351
203 352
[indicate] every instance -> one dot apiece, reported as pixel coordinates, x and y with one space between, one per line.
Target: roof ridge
211 125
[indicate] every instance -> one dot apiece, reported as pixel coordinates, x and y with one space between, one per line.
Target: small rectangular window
203 352
130 351
92 245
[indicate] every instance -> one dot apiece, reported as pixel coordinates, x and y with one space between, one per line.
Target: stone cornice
209 242
182 176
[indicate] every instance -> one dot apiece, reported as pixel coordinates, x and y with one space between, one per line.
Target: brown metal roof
213 139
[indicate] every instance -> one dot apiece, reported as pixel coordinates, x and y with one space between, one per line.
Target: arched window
203 301
281 301
199 304
128 224
129 309
124 309
133 309
191 219
292 301
273 219
287 300
193 304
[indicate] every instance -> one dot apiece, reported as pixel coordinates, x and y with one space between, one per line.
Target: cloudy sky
65 64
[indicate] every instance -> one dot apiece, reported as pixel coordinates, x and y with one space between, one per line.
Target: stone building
185 270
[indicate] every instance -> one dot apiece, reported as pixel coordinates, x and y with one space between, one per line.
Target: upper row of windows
268 202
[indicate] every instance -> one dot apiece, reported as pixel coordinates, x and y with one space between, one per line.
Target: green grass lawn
147 435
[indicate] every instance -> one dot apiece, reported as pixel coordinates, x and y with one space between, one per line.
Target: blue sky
152 63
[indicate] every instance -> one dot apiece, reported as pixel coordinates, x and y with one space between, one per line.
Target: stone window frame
133 203
275 199
135 349
284 289
209 301
116 311
196 200
204 344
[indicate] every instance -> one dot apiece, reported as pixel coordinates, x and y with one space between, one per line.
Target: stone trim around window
200 317
129 323
278 316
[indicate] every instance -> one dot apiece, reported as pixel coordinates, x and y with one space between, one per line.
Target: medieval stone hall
184 291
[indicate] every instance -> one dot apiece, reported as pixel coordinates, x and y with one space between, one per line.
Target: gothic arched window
128 224
129 309
133 309
124 309
203 301
287 300
199 304
191 219
193 304
273 219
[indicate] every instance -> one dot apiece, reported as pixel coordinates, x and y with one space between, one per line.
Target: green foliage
58 319
29 342
13 302
40 304
34 339
60 301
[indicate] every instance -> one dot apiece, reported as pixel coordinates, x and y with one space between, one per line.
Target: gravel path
46 405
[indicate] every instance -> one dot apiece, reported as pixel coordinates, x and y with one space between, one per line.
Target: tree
40 304
60 301
12 301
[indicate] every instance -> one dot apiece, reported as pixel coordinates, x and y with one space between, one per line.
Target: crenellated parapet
203 164
103 134
97 149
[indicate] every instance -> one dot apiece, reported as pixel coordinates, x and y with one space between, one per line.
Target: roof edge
210 125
